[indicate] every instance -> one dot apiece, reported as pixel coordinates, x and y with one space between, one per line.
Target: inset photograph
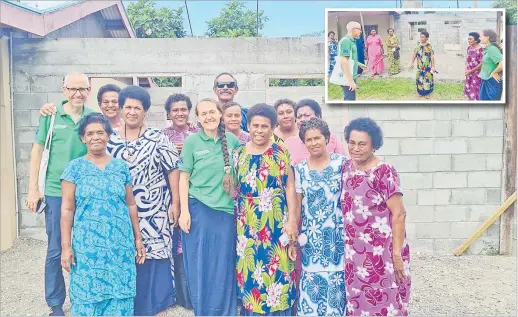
423 55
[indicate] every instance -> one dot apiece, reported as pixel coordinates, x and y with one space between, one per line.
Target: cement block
450 112
410 197
486 145
447 246
437 230
468 128
23 152
484 112
389 147
25 135
452 213
422 245
384 112
494 196
358 111
433 197
494 128
37 233
415 181
411 234
21 83
469 162
47 84
463 230
485 179
434 163
22 169
472 196
406 163
21 118
450 146
484 246
423 112
494 162
398 129
434 129
35 118
481 213
450 179
257 82
416 146
28 101
418 214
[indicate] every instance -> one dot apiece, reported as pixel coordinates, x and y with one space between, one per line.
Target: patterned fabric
322 294
265 275
153 157
333 51
375 54
424 76
473 81
393 64
243 137
369 271
102 241
109 307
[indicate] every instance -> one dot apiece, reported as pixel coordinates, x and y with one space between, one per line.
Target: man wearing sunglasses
225 88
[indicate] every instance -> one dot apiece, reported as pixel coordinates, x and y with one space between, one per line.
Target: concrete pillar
8 227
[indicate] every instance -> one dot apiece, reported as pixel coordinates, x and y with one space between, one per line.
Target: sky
285 18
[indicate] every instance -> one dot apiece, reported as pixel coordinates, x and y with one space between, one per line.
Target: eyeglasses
74 90
230 85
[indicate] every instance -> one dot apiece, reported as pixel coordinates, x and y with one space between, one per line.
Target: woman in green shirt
492 64
207 214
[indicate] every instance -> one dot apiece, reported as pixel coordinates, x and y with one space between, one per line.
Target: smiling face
209 115
373 32
110 104
133 113
286 116
232 118
95 138
179 113
225 88
423 38
76 89
360 146
260 130
315 142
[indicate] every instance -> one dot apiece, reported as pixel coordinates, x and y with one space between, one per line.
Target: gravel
442 285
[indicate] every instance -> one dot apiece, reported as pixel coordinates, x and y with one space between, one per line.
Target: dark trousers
348 94
54 282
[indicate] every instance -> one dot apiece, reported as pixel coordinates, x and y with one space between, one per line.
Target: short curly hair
263 110
94 117
309 103
104 89
314 123
368 126
176 98
285 101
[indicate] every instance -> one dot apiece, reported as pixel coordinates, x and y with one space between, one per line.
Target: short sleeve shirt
492 56
347 47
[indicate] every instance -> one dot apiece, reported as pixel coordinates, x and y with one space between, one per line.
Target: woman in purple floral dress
475 53
377 255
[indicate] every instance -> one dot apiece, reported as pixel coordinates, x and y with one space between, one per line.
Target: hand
496 76
141 252
433 70
174 214
362 66
185 221
467 72
67 258
353 86
292 252
399 268
291 229
32 200
47 109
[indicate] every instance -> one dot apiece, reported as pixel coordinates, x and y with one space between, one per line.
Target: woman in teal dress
266 207
425 57
98 204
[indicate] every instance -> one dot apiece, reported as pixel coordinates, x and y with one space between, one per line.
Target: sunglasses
228 85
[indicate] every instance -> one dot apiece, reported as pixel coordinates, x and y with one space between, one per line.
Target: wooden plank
507 221
509 201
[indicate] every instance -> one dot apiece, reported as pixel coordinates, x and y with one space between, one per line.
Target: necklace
130 157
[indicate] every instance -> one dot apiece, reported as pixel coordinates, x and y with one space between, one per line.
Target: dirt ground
442 285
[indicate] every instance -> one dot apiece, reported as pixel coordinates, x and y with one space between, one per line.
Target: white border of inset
423 100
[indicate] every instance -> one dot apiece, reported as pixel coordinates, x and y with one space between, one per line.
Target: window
369 28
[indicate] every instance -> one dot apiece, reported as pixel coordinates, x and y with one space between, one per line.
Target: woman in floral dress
266 206
377 255
332 46
425 57
318 182
392 43
474 56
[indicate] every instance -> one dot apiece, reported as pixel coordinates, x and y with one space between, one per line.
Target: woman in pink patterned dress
377 255
473 65
374 45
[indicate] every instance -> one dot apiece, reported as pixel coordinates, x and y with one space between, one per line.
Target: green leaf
266 279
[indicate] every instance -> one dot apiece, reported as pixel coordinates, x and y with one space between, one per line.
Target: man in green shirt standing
66 146
348 50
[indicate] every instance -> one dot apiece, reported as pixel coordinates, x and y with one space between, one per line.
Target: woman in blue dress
98 204
332 46
318 184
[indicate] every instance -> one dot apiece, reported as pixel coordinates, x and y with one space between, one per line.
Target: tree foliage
150 22
510 6
235 21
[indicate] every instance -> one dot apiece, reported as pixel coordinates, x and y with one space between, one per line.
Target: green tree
150 22
235 21
510 6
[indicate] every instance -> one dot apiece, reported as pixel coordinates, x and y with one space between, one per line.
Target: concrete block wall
449 156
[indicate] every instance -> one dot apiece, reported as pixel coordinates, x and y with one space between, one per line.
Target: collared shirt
202 157
299 152
347 47
492 56
66 145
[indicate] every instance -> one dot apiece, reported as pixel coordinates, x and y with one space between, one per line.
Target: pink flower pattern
370 280
473 81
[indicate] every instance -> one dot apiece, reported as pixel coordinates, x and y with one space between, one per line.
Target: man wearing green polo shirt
66 146
347 50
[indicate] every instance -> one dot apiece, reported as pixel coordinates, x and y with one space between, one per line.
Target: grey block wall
449 156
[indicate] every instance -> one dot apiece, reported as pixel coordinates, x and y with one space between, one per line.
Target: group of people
483 66
280 220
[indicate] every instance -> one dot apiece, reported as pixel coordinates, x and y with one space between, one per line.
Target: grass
403 89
